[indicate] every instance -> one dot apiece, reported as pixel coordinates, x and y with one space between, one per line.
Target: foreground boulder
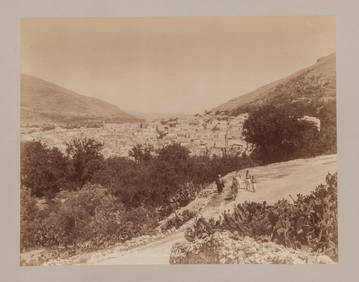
226 248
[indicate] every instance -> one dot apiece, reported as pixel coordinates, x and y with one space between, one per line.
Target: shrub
43 170
28 212
91 215
178 220
85 157
142 153
328 132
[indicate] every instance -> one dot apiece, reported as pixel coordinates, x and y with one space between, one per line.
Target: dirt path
275 181
153 253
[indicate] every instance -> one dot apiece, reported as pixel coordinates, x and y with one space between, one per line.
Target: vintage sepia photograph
178 140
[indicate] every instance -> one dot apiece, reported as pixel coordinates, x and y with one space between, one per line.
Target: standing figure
219 183
234 187
248 181
254 183
239 180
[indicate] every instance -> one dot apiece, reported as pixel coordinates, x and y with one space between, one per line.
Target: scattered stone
222 248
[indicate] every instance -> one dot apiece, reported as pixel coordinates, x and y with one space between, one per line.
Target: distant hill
314 84
43 102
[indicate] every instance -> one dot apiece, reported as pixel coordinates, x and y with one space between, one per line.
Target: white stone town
201 134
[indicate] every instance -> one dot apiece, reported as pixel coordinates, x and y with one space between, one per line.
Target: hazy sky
171 65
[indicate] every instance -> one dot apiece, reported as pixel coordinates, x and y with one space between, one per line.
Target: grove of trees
86 197
279 133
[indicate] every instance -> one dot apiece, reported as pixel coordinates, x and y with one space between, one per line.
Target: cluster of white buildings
200 134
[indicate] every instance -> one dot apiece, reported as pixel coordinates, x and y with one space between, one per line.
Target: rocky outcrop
228 248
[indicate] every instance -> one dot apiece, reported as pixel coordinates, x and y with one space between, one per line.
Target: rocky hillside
43 102
314 84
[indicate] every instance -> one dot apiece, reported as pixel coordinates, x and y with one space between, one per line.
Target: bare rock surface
227 248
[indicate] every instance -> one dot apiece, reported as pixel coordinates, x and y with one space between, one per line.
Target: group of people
248 182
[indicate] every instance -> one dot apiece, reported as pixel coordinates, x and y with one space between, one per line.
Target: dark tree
328 132
43 169
279 134
142 153
85 158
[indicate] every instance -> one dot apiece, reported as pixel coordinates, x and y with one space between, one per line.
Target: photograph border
348 152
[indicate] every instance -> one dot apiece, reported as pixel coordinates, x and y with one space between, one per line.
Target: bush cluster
150 177
88 218
88 198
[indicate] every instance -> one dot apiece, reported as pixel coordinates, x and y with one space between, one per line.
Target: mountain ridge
312 76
